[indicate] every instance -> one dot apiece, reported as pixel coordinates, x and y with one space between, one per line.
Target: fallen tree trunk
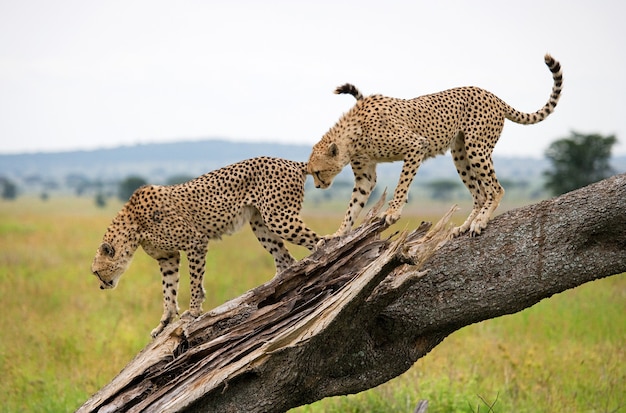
361 310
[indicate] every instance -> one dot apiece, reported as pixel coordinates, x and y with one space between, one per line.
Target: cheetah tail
349 89
548 108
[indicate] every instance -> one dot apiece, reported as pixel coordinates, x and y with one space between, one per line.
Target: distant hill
159 161
149 160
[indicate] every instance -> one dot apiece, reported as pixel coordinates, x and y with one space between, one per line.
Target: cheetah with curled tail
466 120
163 220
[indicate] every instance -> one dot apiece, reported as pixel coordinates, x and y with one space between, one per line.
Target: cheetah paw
321 243
154 333
458 231
189 315
391 216
475 231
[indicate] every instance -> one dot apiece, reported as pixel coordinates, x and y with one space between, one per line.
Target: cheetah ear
333 150
107 249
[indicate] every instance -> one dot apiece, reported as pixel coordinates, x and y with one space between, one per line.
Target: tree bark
361 310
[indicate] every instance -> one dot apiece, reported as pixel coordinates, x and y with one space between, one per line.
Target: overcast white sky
88 74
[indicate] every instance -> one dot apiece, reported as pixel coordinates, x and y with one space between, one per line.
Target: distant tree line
575 161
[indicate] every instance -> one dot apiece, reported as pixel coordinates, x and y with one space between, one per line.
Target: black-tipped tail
349 89
557 85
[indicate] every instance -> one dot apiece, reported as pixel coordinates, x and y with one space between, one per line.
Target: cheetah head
325 163
333 151
118 246
109 264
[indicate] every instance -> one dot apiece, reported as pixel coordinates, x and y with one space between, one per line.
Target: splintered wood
192 358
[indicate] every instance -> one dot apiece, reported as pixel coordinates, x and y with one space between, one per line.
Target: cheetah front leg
169 265
364 183
413 156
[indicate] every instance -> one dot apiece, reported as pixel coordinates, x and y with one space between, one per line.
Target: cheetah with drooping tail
466 120
164 220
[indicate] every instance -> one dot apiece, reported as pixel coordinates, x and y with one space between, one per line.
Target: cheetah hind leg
470 177
492 192
479 198
271 242
462 229
483 209
494 195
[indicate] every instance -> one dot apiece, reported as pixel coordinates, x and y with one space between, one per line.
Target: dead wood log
361 310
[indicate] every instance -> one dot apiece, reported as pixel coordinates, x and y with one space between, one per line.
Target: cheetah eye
107 249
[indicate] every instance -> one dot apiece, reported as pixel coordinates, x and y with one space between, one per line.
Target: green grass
62 338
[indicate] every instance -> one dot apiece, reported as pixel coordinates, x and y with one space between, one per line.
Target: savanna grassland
62 338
